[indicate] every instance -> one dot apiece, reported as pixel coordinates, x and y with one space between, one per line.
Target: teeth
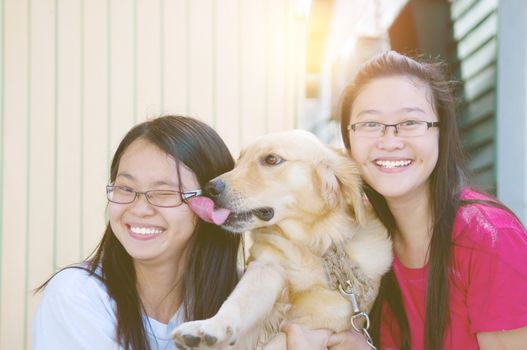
390 164
145 230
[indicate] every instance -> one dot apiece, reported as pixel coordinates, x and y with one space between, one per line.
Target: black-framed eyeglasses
407 128
158 198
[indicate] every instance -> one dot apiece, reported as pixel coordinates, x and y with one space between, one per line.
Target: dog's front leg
248 305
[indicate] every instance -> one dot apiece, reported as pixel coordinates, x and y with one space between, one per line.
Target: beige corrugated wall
76 74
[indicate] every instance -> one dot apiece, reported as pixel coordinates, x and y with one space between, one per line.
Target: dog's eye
272 159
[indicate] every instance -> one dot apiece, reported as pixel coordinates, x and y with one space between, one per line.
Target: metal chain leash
341 271
358 315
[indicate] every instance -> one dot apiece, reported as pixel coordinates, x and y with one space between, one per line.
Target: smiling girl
157 264
459 276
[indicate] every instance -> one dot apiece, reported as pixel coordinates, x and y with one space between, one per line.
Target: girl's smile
144 232
392 165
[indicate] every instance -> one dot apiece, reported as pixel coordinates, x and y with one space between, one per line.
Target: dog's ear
329 184
341 181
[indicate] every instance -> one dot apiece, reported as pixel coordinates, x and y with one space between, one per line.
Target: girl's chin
392 189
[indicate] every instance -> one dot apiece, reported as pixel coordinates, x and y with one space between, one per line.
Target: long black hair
446 182
211 269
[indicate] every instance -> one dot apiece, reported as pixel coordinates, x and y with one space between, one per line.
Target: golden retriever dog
302 203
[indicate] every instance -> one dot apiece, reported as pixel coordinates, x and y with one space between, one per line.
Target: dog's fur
315 196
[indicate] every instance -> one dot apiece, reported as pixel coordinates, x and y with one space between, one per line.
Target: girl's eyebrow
402 110
411 109
156 183
368 111
164 183
125 175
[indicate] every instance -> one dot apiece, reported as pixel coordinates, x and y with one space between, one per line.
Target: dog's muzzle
215 190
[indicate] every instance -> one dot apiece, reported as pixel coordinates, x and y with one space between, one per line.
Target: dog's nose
214 188
265 214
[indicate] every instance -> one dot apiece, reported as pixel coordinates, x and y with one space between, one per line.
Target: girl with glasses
157 264
459 276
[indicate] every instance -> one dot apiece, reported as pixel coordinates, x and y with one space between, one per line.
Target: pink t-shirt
488 280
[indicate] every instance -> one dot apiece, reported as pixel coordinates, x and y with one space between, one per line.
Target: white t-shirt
76 312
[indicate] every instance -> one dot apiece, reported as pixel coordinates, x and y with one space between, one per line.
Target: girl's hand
300 338
347 340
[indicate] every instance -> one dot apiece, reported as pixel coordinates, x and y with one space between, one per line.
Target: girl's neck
414 229
160 289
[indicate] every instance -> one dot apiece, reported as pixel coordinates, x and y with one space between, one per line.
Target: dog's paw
207 334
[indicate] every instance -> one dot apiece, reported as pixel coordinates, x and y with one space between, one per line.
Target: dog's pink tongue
204 208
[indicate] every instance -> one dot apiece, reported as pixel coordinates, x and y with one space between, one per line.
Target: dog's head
287 176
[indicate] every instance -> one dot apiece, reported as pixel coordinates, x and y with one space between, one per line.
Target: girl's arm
515 339
347 340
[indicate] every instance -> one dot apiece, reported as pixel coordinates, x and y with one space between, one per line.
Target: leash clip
358 315
350 296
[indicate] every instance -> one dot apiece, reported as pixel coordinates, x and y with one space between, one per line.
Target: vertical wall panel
121 72
295 58
175 57
226 68
253 73
15 174
276 66
148 59
200 65
68 186
76 75
41 152
511 109
2 148
96 119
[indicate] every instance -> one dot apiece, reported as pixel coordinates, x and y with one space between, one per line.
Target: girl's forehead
391 94
388 81
143 159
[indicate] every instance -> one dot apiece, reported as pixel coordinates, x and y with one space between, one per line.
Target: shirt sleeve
497 288
75 312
